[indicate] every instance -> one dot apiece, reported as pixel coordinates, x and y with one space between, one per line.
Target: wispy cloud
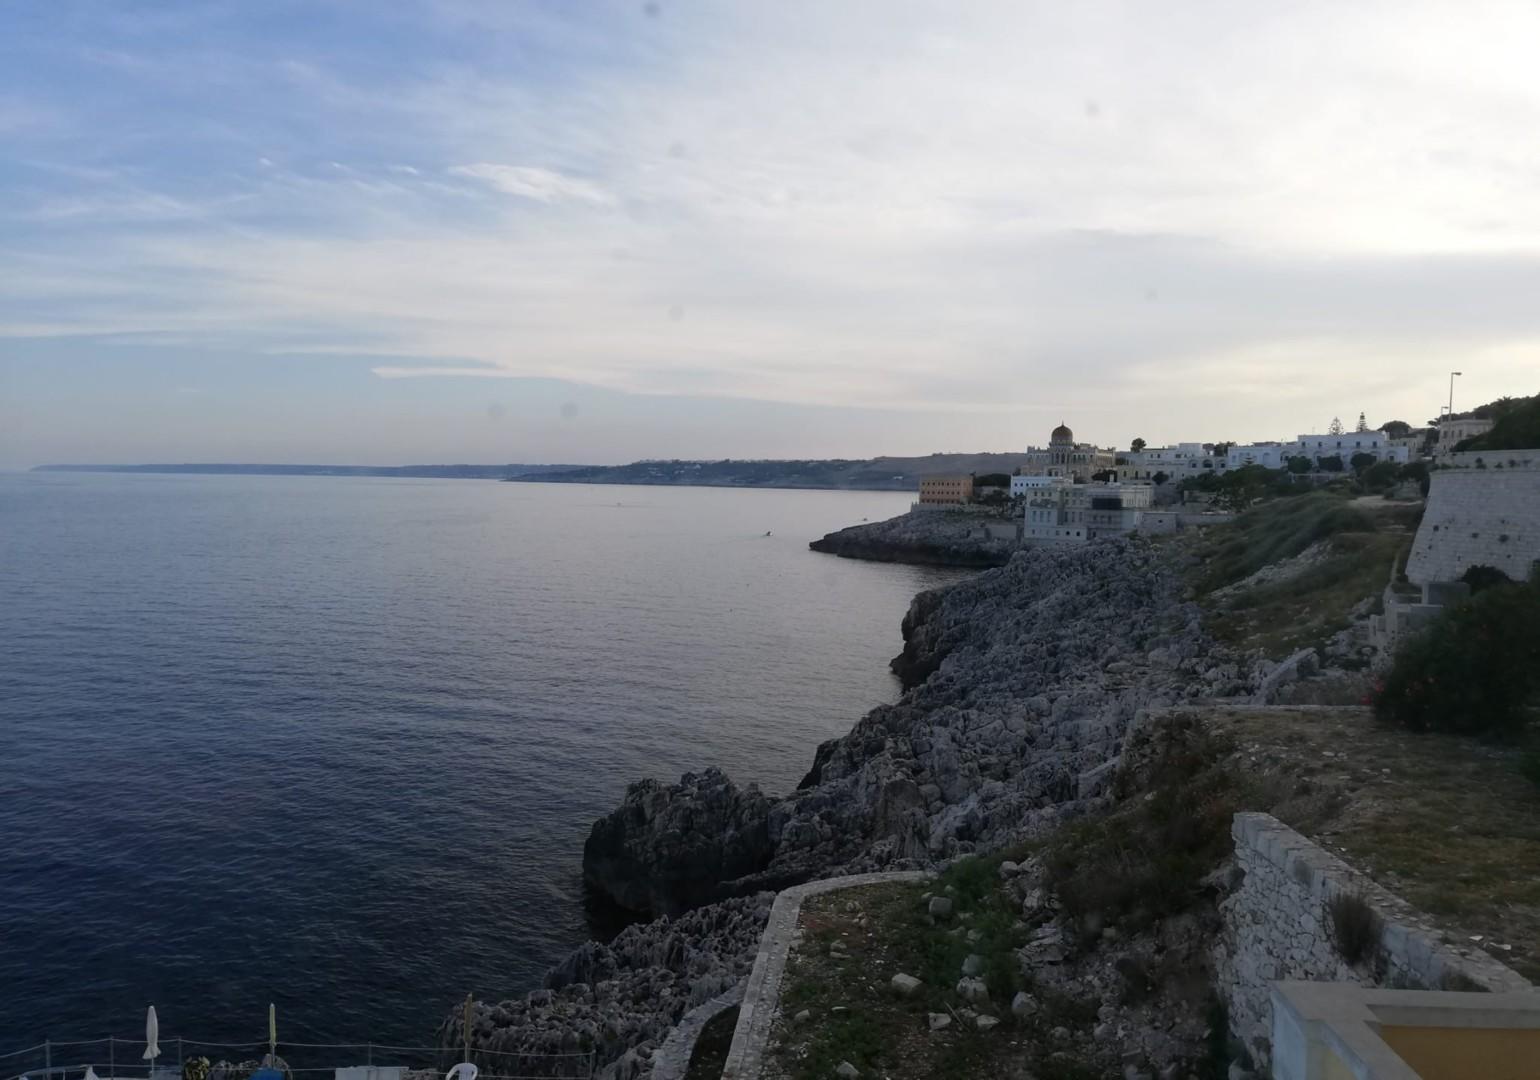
531 182
867 204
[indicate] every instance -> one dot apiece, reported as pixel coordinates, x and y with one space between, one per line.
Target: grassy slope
1362 541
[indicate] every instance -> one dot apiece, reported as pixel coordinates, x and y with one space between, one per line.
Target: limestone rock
905 984
670 847
940 1021
846 1071
972 989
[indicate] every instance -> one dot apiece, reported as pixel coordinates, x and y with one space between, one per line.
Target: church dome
1062 434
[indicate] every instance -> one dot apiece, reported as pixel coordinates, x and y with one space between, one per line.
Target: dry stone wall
1486 517
1277 925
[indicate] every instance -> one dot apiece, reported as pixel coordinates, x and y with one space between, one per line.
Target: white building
1177 462
1452 432
1022 485
1348 443
1270 455
1076 513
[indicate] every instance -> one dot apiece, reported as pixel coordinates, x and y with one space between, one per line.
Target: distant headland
863 474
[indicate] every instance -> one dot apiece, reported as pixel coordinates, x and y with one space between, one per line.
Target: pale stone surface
940 1021
1485 517
1276 926
905 984
672 1059
970 989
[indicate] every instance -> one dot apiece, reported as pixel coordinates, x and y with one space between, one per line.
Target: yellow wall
1333 1067
1466 1053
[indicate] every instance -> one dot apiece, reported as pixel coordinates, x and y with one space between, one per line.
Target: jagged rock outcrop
925 537
1022 685
619 1000
671 847
1023 682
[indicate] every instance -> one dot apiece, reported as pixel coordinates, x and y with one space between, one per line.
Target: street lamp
1452 374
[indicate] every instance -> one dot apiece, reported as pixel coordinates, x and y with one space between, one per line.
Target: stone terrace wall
1276 926
1475 517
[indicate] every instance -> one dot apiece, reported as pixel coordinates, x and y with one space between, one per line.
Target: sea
335 743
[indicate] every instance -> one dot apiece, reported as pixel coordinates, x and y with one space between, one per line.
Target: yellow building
945 490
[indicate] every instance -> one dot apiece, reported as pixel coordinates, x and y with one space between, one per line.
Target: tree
992 480
1418 471
1396 429
1137 445
1517 426
1222 448
1382 476
1160 478
1299 465
1363 425
1106 476
1361 461
1475 668
1330 464
1335 427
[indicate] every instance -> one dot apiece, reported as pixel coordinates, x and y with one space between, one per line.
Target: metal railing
115 1058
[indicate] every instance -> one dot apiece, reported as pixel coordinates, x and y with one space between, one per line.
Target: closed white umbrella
151 1038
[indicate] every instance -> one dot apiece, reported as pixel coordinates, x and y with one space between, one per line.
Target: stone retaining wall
1276 925
762 996
1487 517
672 1059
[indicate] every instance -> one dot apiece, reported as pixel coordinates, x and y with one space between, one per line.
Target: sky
348 231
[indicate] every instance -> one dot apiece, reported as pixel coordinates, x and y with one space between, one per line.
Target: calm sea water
336 743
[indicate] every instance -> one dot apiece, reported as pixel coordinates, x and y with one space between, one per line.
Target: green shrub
1475 668
1354 927
1481 578
1145 860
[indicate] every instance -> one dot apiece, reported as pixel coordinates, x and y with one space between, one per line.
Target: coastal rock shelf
1021 685
927 538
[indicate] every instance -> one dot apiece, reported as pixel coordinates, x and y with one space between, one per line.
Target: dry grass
1361 542
856 1016
1446 822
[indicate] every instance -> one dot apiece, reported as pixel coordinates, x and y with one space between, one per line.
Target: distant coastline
453 472
836 474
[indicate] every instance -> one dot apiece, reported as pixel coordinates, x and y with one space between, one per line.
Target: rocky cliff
1021 685
930 538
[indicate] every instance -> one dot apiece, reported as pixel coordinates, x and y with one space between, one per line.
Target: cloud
529 182
1236 209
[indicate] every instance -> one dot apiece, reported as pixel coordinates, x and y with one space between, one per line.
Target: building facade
1067 458
1021 484
1270 455
1178 462
945 490
1068 513
1374 443
1453 432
